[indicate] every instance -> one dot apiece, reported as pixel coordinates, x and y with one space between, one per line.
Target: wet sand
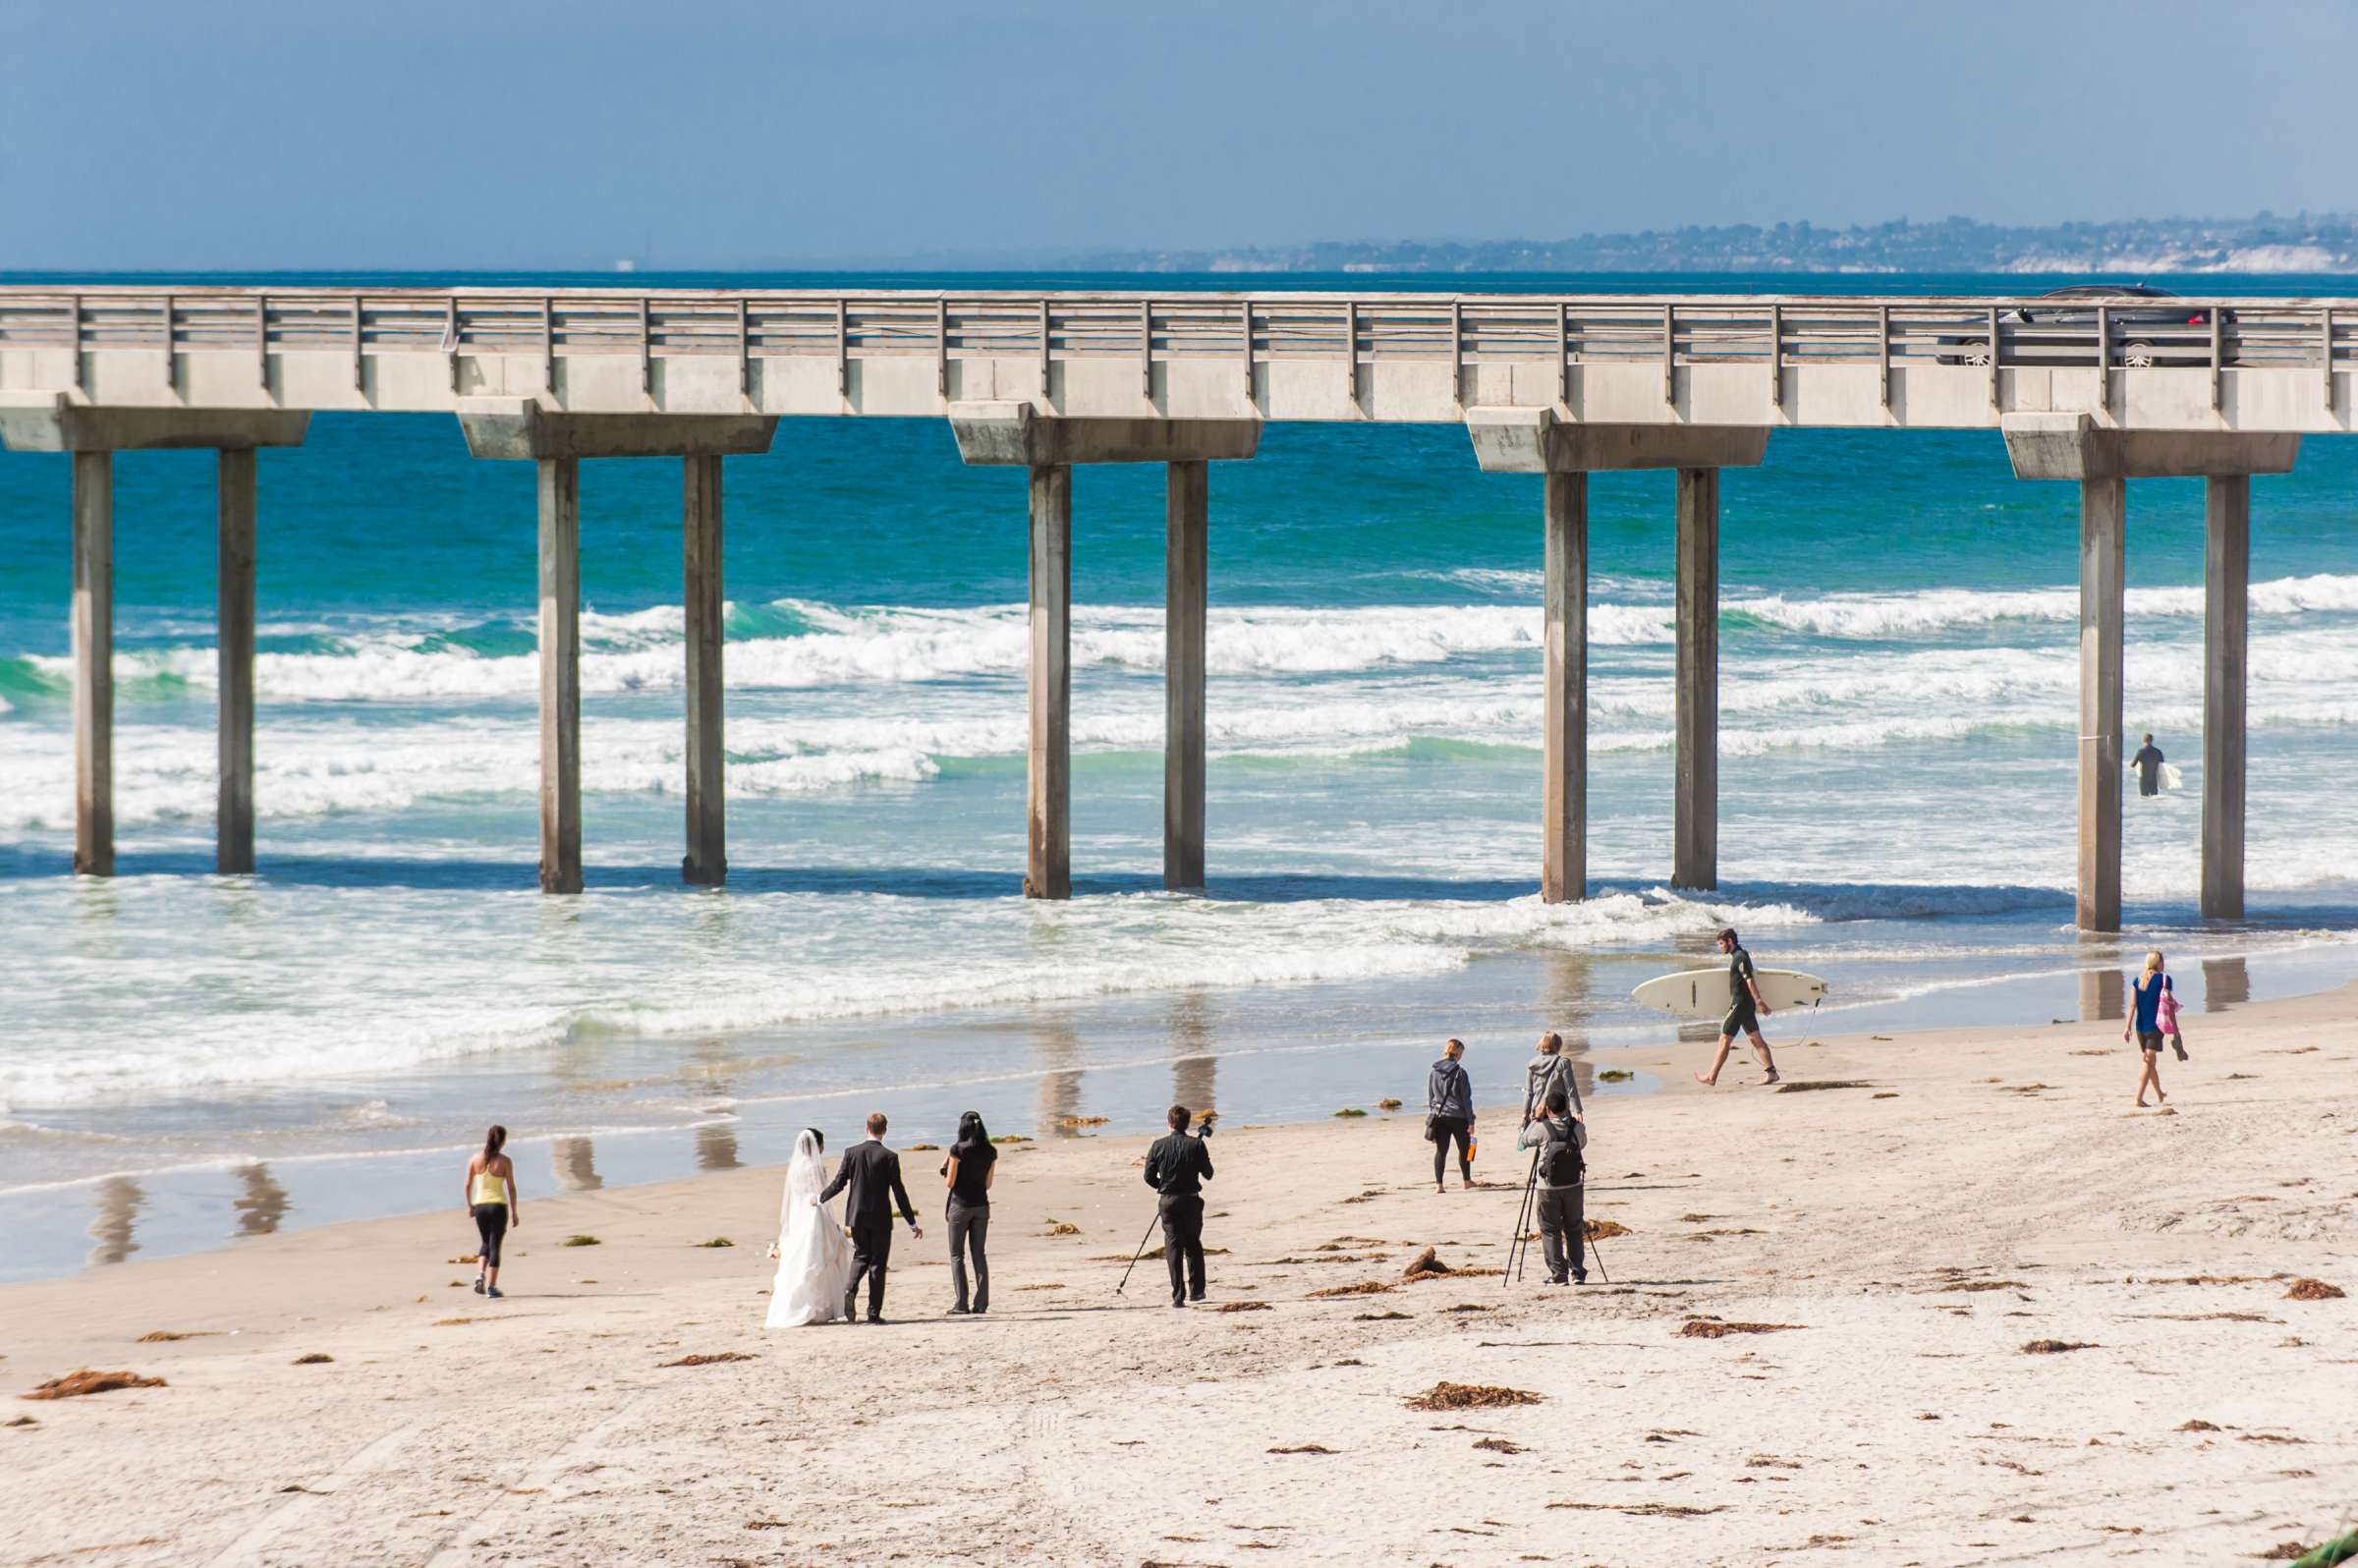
1900 1242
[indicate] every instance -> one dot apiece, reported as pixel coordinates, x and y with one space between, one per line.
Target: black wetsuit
1743 1016
2148 763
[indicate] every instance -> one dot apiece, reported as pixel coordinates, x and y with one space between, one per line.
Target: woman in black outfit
967 1173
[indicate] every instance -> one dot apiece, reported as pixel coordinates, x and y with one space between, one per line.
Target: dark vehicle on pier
2146 325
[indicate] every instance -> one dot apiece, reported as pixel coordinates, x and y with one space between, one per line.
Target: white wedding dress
814 1256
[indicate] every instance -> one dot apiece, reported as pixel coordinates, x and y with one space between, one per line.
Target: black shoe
876 1318
1579 1279
1558 1279
1178 1300
960 1312
1194 1295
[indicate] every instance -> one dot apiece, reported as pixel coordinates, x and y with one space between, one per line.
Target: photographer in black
1557 1132
1177 1167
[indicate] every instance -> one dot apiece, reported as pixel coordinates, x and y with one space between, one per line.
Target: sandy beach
1896 1239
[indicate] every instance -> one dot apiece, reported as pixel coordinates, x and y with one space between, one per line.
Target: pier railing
1461 330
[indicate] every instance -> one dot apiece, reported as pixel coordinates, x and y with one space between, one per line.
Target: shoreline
231 1200
1979 1189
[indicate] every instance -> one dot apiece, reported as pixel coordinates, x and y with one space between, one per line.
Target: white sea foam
1132 944
638 651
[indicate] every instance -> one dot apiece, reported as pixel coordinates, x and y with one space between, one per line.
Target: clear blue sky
447 133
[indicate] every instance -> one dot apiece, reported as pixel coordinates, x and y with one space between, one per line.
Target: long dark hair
492 1140
971 1132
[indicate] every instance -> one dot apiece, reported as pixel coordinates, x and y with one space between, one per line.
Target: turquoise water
1897 697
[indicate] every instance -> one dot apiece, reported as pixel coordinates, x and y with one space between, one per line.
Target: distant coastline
2265 244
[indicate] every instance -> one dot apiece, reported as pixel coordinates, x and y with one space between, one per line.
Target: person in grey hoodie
1547 1071
1450 1097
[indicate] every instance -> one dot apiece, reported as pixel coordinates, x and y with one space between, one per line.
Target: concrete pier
2104 518
1564 710
1536 441
94 634
2101 460
2226 632
560 675
706 862
1695 822
1187 516
1562 386
233 822
1048 774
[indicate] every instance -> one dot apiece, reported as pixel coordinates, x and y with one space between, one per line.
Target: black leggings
1446 1128
492 1224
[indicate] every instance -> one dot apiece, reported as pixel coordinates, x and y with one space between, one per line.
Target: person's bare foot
1772 1078
1469 1185
1708 1082
2161 1099
2141 1106
1441 1187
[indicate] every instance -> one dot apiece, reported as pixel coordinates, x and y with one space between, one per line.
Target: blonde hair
1552 1042
2152 961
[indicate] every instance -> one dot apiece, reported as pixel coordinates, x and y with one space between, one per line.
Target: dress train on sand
814 1256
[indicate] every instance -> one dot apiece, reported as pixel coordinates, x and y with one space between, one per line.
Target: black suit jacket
1178 1166
871 1171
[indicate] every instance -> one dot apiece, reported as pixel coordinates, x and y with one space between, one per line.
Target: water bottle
1473 1147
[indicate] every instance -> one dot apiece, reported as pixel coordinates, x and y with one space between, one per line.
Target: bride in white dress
814 1256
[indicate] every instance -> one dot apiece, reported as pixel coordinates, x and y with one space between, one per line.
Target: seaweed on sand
1447 1395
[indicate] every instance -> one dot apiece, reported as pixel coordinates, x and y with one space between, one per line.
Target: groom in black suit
871 1171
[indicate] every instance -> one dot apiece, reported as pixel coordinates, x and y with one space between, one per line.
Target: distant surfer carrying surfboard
1745 1007
2148 763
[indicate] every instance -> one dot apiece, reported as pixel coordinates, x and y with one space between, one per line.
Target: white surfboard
2172 780
1705 994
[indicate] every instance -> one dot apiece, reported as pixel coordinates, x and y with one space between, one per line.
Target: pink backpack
2165 1013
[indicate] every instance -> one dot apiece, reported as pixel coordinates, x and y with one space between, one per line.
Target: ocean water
187 1058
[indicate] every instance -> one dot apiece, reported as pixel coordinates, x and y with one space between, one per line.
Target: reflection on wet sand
2226 982
262 1205
1060 1086
119 1201
716 1146
574 1164
2104 995
1196 1072
1568 994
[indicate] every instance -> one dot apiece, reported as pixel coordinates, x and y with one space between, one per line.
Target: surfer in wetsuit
1745 1007
2148 763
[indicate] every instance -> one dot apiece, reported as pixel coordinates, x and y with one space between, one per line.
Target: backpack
1562 1165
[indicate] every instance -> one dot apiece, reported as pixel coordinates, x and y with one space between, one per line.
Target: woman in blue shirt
2145 1018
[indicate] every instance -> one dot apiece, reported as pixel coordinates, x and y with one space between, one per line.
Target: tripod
1518 1247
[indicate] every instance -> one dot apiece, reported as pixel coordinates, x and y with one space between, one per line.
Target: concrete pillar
706 862
232 816
1187 517
2103 530
94 637
2226 632
1016 434
1526 440
520 429
1048 779
2070 446
560 675
1564 716
1695 832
